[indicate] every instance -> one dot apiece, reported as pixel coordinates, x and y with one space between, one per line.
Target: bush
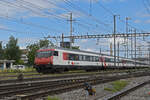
117 86
52 98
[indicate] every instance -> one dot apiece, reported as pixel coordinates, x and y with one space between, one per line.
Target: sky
32 20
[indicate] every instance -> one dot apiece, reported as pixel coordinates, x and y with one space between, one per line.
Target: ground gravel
81 94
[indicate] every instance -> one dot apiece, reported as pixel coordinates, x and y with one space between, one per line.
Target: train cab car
53 60
44 59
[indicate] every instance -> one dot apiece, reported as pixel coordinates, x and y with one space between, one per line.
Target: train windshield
44 54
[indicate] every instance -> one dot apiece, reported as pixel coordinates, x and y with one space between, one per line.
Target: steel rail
94 81
118 95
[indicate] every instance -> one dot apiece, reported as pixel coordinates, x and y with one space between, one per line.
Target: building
6 64
24 57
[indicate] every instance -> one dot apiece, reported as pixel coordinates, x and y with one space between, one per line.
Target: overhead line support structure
71 30
135 46
127 18
102 36
114 36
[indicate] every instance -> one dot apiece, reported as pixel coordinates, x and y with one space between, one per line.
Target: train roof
76 50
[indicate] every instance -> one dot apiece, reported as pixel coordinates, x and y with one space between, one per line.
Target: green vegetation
27 69
1 51
34 47
11 51
52 98
117 86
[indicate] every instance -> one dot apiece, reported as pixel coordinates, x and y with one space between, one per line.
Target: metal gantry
133 36
102 36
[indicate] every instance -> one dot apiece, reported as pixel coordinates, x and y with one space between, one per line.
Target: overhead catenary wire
27 23
112 13
86 14
15 31
27 8
35 6
78 21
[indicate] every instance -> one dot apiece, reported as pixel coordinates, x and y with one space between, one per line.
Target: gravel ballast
81 94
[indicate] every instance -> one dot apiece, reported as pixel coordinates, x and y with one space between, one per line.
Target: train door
103 63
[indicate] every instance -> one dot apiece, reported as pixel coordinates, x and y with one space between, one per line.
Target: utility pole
131 47
71 30
62 40
115 39
149 52
118 52
135 46
131 44
111 51
71 39
127 18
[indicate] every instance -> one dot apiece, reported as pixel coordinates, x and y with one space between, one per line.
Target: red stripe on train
65 56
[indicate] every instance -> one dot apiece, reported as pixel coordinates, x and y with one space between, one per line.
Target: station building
6 64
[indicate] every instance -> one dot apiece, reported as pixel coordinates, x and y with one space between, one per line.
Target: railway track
117 96
60 76
49 88
32 74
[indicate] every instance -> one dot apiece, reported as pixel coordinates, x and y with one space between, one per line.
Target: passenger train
54 59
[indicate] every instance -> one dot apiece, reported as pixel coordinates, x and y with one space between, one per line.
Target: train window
87 58
43 54
97 59
71 57
84 58
94 58
76 57
55 53
108 59
80 57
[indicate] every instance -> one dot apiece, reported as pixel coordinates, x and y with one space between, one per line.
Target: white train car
57 59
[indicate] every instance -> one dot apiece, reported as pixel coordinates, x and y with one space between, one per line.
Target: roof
76 50
8 61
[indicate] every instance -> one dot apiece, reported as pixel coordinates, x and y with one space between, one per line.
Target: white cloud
75 14
122 0
114 0
147 21
144 15
27 40
26 7
3 26
88 49
84 41
120 40
137 21
106 0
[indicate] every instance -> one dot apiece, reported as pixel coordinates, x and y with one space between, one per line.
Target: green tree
1 51
76 47
31 53
34 47
12 51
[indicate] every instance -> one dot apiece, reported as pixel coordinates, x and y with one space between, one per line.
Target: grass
117 86
52 98
27 69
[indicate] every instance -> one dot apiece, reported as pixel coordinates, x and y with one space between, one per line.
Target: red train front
44 60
